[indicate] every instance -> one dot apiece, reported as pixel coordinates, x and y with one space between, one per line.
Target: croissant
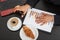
28 32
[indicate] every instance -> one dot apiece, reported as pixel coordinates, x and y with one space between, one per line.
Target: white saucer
24 37
14 28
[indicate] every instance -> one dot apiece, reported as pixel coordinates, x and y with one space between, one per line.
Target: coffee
14 22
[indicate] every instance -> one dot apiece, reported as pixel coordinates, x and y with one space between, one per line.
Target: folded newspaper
30 20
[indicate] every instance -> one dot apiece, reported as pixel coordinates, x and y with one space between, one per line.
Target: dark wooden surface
6 34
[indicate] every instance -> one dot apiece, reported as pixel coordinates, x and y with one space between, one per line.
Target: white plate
24 37
29 20
15 28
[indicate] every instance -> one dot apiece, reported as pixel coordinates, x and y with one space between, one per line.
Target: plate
24 37
16 26
30 20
